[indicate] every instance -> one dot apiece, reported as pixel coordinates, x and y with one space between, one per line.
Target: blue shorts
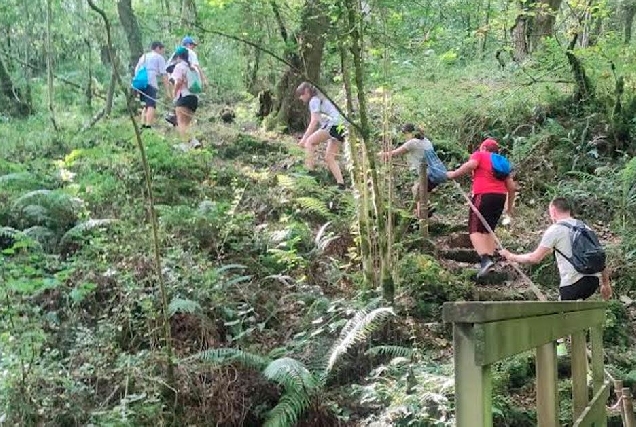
148 96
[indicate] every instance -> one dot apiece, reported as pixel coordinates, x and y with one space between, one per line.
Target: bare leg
184 117
333 147
483 243
150 115
314 139
143 115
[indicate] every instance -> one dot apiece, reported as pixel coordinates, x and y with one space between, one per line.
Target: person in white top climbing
185 102
326 124
579 256
416 149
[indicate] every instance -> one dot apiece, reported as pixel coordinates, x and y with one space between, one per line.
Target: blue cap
187 40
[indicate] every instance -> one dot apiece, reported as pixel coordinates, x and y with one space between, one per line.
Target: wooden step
441 228
457 240
460 255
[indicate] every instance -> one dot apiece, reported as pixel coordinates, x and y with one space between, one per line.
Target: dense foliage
252 304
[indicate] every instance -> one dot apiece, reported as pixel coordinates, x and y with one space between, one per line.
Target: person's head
181 54
409 130
188 42
559 208
305 91
490 145
157 47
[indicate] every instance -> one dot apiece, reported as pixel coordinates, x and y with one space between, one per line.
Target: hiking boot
172 119
486 265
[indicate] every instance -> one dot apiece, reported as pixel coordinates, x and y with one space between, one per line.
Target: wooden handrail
486 332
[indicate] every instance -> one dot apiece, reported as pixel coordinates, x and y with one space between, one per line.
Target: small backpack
194 81
140 79
501 167
588 256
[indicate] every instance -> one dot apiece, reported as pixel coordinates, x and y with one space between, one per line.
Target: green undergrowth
268 312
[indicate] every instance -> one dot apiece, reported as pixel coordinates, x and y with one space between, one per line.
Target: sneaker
194 143
486 265
342 186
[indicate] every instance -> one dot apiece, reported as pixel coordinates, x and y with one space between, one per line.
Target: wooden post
579 374
618 392
598 368
423 198
628 408
473 383
547 390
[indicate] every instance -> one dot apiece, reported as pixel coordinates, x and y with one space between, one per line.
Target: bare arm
464 169
204 78
311 128
397 152
533 257
606 287
511 186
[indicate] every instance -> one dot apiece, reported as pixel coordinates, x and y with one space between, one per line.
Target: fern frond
85 226
288 411
291 374
356 330
44 236
390 350
220 270
17 177
314 205
222 356
323 239
180 305
205 207
8 232
286 181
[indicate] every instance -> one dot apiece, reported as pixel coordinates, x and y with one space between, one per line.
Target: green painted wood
579 374
598 368
547 389
482 312
596 411
473 383
497 340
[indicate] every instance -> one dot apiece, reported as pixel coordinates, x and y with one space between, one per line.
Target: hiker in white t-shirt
156 66
186 102
325 124
415 150
573 285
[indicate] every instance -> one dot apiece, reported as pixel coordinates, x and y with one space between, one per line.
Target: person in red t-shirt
490 196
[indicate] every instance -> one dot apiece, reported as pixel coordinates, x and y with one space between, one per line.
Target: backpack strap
570 227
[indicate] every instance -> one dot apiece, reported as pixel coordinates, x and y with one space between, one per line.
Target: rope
540 296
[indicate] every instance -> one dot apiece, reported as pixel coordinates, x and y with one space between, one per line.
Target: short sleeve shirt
484 181
558 237
181 72
193 58
328 113
415 150
155 64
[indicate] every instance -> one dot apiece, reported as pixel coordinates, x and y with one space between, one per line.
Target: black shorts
335 131
491 206
581 289
191 102
149 96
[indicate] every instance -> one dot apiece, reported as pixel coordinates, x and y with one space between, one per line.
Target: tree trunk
49 66
305 56
16 105
188 14
628 20
133 34
532 25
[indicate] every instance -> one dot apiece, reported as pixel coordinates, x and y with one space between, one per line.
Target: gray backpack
588 256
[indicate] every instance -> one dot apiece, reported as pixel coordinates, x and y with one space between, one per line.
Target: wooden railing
486 332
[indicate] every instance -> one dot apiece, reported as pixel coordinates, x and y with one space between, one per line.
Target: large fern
288 410
180 305
223 356
81 229
356 330
313 205
50 208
